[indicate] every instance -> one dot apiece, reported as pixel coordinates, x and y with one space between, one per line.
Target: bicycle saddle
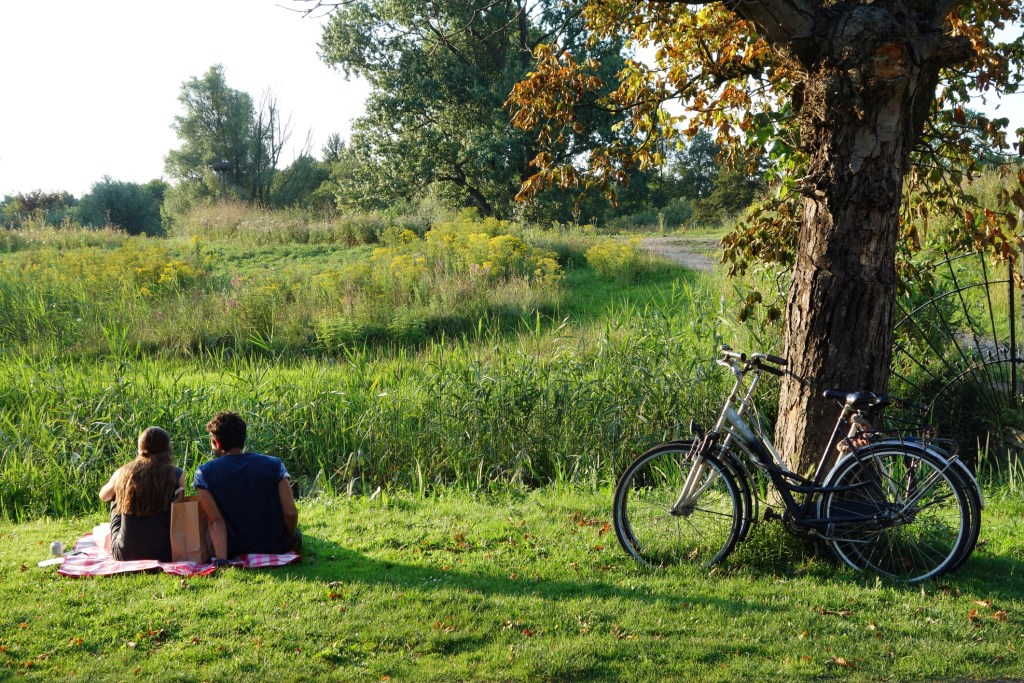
859 399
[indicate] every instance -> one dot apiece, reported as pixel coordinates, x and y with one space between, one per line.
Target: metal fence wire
957 357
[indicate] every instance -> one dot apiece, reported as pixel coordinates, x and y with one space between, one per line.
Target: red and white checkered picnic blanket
90 559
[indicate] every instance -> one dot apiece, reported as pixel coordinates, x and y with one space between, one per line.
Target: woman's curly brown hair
147 483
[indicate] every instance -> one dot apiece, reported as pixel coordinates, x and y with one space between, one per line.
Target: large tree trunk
862 108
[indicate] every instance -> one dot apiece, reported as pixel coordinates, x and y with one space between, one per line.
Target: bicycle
902 506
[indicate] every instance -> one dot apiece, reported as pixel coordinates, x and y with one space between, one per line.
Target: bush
131 207
616 259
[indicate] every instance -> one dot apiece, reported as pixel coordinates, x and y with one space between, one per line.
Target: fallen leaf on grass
807 659
443 627
598 548
333 596
583 520
983 603
837 612
1000 615
527 632
74 642
622 634
803 635
605 528
839 661
195 640
972 616
22 568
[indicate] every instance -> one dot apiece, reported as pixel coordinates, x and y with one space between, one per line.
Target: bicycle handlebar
757 360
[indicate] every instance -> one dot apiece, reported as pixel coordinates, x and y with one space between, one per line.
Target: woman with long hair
142 492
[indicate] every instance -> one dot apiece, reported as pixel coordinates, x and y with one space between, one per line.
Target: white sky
90 87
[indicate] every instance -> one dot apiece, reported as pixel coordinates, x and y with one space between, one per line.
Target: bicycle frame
759 449
899 504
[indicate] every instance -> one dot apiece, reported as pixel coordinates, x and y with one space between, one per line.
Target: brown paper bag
188 531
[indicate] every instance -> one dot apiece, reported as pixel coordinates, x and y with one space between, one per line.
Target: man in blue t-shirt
247 497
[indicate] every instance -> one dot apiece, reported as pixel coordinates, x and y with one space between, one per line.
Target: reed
550 403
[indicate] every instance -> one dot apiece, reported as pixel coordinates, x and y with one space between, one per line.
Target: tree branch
781 22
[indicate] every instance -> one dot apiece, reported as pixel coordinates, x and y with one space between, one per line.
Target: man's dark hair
228 429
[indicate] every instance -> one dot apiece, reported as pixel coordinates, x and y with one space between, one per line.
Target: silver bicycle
902 506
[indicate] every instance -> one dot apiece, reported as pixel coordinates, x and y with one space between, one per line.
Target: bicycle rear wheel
906 515
975 505
672 505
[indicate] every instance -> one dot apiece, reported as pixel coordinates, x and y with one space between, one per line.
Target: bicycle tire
704 530
970 485
917 519
741 477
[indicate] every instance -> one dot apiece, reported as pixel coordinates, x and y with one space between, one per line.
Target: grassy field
510 587
476 355
454 406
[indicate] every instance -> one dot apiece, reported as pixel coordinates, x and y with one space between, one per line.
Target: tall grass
481 411
36 233
181 298
238 221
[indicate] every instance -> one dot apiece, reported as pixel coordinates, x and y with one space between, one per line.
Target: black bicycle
902 506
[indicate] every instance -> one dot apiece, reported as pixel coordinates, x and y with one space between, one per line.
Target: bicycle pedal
772 515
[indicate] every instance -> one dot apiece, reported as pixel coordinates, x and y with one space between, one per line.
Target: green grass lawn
516 587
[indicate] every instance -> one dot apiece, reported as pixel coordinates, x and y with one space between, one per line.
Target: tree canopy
858 104
440 73
222 124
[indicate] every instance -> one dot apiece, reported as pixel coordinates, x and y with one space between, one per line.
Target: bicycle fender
910 446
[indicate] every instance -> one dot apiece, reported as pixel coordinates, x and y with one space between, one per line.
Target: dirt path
695 253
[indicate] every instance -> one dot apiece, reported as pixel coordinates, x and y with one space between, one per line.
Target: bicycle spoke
707 519
923 514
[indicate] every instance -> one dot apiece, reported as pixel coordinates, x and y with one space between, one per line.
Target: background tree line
436 125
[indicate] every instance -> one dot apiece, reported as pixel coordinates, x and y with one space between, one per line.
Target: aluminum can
56 548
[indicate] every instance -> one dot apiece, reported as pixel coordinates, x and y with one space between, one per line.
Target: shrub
616 259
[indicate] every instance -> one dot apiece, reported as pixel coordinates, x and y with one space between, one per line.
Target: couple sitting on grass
247 498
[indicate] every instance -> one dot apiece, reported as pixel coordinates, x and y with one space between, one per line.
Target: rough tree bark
870 73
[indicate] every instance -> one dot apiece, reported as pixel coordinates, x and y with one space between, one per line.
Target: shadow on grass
993 576
328 561
996 577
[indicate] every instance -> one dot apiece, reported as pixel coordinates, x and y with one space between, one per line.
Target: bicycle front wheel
673 505
905 514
